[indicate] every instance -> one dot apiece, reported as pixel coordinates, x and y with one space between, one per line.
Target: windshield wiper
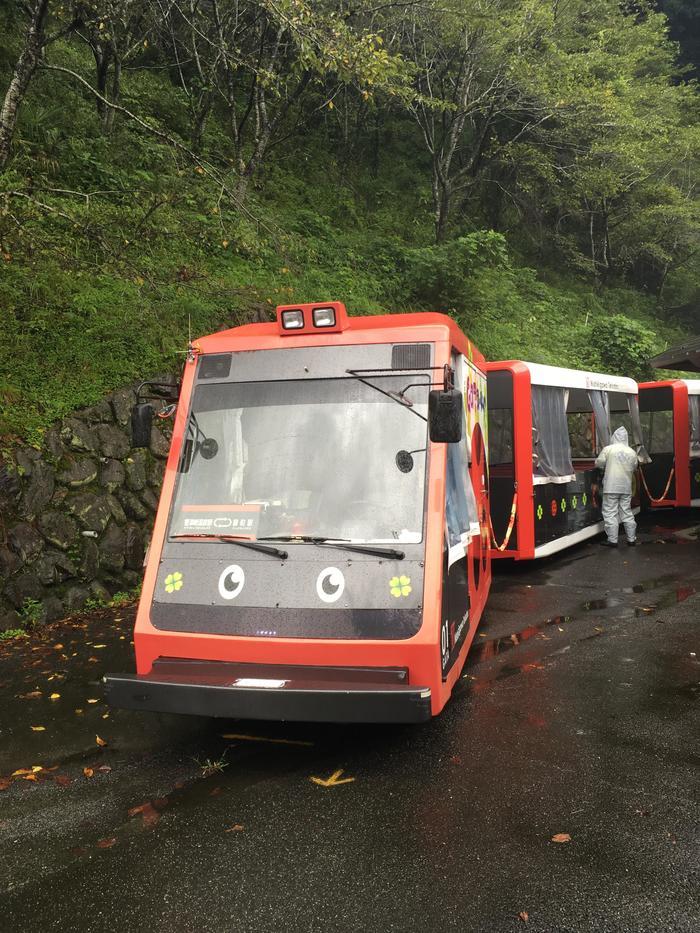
397 397
243 542
342 543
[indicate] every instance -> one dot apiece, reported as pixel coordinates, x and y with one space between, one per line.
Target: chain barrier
664 493
511 525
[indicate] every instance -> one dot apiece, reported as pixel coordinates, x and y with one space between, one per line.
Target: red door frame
681 440
522 456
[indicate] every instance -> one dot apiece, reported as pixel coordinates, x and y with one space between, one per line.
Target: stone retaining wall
76 515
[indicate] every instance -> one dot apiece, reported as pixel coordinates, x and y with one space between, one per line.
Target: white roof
541 375
693 386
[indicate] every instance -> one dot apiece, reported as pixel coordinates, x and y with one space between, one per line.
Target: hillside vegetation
529 166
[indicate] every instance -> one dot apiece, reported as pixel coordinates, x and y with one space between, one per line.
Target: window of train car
550 436
657 431
581 435
313 457
500 436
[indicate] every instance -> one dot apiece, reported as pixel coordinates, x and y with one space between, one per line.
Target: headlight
324 317
293 320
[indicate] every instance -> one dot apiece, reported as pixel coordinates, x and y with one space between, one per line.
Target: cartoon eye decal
231 581
330 584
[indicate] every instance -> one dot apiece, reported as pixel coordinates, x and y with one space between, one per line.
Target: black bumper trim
361 703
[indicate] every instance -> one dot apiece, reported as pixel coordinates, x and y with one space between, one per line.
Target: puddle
651 584
607 602
496 646
491 648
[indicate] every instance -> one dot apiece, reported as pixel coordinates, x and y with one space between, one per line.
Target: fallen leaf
5 783
55 696
20 771
148 812
38 728
100 742
36 768
29 777
236 828
524 916
99 646
92 660
34 695
58 646
561 837
104 768
88 772
93 701
106 843
62 780
78 711
105 715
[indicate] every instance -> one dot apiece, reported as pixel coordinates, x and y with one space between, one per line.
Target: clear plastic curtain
636 432
600 403
694 414
550 441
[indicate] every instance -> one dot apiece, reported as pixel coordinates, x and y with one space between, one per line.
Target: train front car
320 550
670 413
547 425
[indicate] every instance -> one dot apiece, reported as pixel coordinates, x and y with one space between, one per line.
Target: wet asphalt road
576 714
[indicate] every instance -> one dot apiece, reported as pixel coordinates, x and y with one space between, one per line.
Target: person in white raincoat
619 462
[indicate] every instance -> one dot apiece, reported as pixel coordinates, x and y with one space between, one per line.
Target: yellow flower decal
400 586
173 582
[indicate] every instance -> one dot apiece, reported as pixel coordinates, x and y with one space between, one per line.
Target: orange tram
321 547
323 543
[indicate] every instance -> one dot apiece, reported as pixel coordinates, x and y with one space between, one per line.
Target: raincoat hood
620 436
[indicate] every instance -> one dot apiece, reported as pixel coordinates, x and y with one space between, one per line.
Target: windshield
332 458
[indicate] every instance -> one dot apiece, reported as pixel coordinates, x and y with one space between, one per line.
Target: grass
211 766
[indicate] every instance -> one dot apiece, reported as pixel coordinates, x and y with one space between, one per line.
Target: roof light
324 317
308 319
293 320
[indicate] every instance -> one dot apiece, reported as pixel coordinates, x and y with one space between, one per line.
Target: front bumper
275 692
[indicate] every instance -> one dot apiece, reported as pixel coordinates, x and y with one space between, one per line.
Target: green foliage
30 613
10 633
120 600
113 244
623 346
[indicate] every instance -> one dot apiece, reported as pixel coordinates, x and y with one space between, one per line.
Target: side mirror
445 416
141 424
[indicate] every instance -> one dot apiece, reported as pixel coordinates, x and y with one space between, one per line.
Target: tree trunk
101 72
23 73
442 198
110 112
199 121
